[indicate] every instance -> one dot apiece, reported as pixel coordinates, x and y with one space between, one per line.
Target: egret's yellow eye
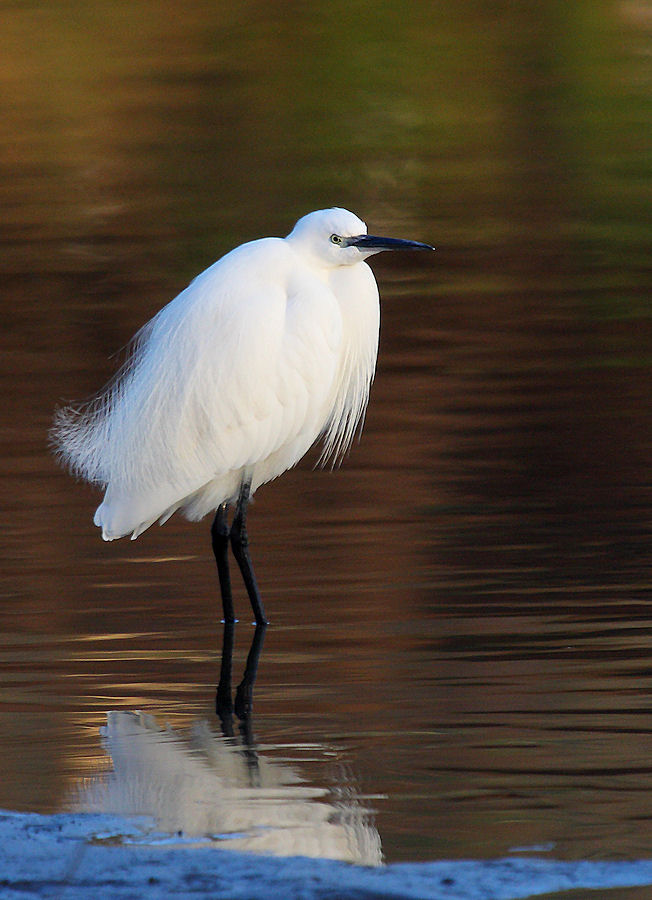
336 239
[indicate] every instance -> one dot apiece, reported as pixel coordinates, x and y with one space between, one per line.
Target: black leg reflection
223 701
244 695
224 706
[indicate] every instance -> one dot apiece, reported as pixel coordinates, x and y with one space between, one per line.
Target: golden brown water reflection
461 615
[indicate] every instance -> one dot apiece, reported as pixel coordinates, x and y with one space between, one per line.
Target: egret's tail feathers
118 519
142 527
168 514
109 535
106 520
124 511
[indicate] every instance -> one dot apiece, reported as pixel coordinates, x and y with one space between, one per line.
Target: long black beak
373 242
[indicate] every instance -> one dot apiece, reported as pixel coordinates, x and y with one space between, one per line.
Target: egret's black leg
220 538
240 545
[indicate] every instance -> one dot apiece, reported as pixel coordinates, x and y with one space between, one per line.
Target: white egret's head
337 237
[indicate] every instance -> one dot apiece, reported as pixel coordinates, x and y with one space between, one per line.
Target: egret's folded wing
237 364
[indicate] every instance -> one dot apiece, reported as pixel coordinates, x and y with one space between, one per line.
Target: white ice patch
76 856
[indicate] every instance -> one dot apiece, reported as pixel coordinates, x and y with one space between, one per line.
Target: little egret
229 385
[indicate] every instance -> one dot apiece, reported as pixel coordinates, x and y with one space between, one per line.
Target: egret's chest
357 296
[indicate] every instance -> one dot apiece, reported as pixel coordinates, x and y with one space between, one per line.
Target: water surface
461 627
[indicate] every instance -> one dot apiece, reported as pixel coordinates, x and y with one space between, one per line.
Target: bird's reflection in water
221 788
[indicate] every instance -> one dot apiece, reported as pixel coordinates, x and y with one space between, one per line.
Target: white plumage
231 383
